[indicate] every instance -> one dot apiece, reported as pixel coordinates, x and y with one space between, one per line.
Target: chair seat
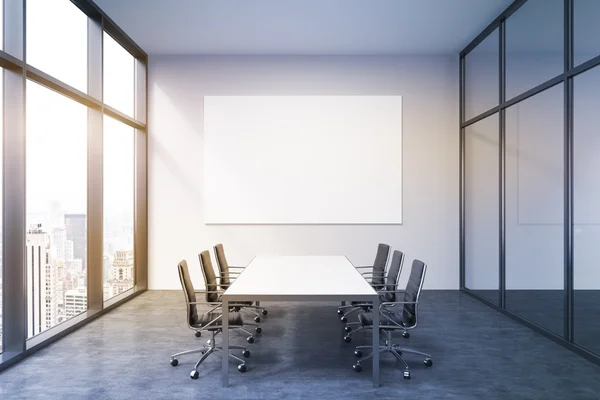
235 318
366 319
382 298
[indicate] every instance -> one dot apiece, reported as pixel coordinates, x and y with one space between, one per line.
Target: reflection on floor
546 308
478 353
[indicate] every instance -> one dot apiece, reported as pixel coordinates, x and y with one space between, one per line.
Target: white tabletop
313 276
283 278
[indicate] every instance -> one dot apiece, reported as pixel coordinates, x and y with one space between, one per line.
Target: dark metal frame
15 74
566 77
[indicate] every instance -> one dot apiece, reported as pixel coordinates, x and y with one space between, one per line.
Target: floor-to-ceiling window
118 207
56 169
481 208
73 133
1 171
1 197
535 209
481 157
56 192
586 218
119 178
548 142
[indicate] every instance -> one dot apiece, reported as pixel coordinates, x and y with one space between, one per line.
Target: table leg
225 345
376 342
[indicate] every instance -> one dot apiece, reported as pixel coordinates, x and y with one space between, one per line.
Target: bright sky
57 126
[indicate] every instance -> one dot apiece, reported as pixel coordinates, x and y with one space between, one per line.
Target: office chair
391 320
376 275
213 295
226 278
385 291
210 321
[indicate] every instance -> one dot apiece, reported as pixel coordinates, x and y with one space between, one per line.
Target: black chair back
381 258
413 291
188 290
393 274
210 280
223 266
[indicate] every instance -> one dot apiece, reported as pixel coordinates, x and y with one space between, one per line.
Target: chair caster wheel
406 375
256 319
357 367
264 312
194 374
340 312
348 329
347 339
174 362
428 362
250 339
246 353
242 368
344 319
258 329
198 334
358 353
405 335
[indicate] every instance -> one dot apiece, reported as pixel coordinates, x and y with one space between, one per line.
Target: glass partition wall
73 228
530 140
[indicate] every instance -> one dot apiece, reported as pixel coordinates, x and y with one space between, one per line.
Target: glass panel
534 45
118 207
1 48
1 196
481 207
481 77
586 30
586 214
534 209
119 76
56 208
57 40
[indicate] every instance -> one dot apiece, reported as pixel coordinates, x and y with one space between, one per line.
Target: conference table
299 278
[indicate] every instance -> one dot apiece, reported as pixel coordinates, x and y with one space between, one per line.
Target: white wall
429 86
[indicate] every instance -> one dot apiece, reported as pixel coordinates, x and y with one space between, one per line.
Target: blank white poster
303 159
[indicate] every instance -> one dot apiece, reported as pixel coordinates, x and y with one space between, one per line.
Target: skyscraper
75 302
121 273
41 281
76 226
62 249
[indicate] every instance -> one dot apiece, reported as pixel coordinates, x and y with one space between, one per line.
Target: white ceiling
303 27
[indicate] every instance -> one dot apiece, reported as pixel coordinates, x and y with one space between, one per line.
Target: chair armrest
364 266
219 305
235 267
229 276
209 291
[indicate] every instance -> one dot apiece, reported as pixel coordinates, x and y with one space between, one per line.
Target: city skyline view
57 168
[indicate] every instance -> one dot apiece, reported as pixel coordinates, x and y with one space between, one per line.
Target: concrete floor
478 354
